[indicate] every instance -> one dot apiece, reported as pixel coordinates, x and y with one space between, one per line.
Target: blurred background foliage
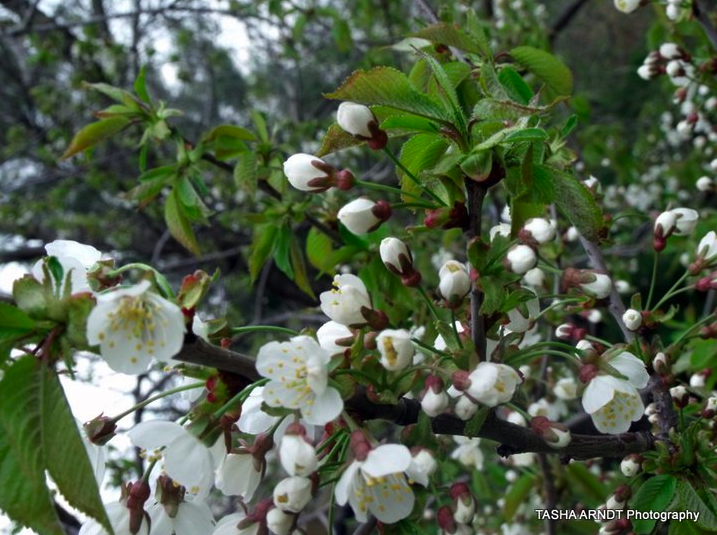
221 61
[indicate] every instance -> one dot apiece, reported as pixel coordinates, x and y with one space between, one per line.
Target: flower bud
279 522
334 337
362 216
447 218
538 230
661 363
396 349
686 221
297 456
680 396
569 332
454 283
572 234
100 430
705 184
646 72
664 227
632 319
566 389
670 51
556 435
520 259
434 400
292 494
710 409
699 379
309 173
465 408
397 258
502 229
672 11
464 505
627 6
423 466
630 465
534 277
597 285
359 121
707 248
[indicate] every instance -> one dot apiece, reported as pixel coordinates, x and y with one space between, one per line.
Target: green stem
239 398
389 189
692 329
148 471
332 500
162 282
653 280
669 292
515 360
430 348
155 398
414 204
410 175
430 304
558 304
264 329
599 340
455 329
520 411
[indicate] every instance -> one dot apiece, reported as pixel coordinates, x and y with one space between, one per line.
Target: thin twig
564 19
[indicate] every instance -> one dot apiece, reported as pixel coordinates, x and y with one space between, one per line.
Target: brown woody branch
512 438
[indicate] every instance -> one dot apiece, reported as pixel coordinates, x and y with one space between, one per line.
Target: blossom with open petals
614 403
190 518
492 384
343 304
377 485
133 325
75 259
298 370
118 515
185 458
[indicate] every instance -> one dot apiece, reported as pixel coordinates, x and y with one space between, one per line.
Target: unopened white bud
572 234
566 388
670 51
673 12
630 466
465 408
646 72
297 456
704 183
279 522
665 223
540 229
632 319
358 216
292 494
520 259
698 380
534 277
434 403
396 349
301 171
600 287
355 118
454 281
585 345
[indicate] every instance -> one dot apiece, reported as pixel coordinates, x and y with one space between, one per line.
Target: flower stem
455 329
155 398
239 398
148 471
162 282
520 411
262 329
671 290
422 345
389 189
410 175
653 280
428 301
689 331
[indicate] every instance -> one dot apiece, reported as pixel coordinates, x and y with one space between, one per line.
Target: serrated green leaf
282 251
192 205
515 86
655 494
25 497
493 294
94 133
389 87
422 151
318 249
517 494
568 127
545 66
260 125
409 123
262 247
246 173
449 35
140 85
448 91
29 296
229 130
14 322
64 452
178 224
576 202
689 500
496 109
526 134
336 139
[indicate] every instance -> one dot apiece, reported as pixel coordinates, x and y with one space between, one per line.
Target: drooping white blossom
492 384
75 258
330 333
298 370
297 456
239 474
344 302
355 118
396 349
118 515
133 325
190 518
292 494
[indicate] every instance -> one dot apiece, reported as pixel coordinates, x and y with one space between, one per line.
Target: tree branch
701 13
512 438
476 195
616 307
564 19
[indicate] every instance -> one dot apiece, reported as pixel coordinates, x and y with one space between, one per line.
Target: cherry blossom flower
239 474
133 325
345 302
362 216
489 383
297 456
185 458
299 379
468 452
612 402
75 259
118 515
292 494
396 349
334 337
189 518
454 282
377 485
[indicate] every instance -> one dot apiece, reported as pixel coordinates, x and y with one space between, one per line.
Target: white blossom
133 325
343 304
468 452
292 494
540 229
707 248
629 466
355 118
396 349
239 474
686 221
632 319
454 281
228 526
190 518
300 170
521 259
492 384
330 333
298 370
358 216
118 515
423 466
600 287
75 258
297 456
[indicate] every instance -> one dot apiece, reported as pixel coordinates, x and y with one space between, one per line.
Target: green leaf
140 85
517 494
299 265
94 133
152 183
341 32
64 451
448 90
526 134
318 249
588 482
262 246
260 125
282 255
576 202
25 497
29 296
689 500
191 204
568 127
545 66
422 151
229 130
409 123
246 173
449 35
493 294
515 86
389 87
655 494
178 223
474 425
14 322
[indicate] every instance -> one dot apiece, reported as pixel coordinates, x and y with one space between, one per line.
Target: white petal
324 408
616 416
392 500
193 518
253 420
276 360
632 368
189 462
387 459
237 476
161 523
344 487
84 254
596 395
155 433
98 322
228 524
115 352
